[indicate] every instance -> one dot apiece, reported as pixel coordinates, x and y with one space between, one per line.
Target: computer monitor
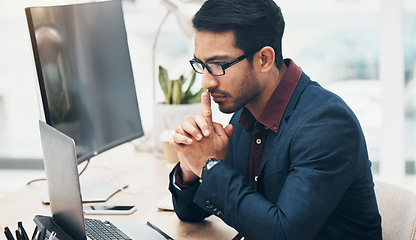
85 76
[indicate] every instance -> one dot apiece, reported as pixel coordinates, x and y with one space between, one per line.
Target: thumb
229 130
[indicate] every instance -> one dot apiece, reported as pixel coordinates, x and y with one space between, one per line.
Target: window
337 44
409 21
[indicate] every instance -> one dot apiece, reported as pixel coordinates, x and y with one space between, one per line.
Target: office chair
397 208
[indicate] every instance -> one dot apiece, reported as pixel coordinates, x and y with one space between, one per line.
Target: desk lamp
184 11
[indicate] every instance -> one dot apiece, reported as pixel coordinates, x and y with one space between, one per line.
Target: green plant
173 89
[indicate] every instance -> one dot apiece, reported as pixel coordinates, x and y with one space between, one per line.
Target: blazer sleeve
324 150
185 208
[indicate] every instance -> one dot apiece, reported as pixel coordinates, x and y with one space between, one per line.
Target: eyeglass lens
213 68
198 67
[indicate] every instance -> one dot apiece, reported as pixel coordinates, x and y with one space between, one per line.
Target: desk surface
147 177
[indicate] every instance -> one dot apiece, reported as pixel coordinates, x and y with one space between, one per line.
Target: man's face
238 86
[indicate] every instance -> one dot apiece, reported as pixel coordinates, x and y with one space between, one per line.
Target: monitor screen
85 75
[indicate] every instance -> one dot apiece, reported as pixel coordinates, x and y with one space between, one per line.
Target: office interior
363 50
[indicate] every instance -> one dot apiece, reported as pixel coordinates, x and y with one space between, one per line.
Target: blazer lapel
300 87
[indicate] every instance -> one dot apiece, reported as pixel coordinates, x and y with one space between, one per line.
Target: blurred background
363 50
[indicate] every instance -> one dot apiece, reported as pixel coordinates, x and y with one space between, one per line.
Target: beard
247 91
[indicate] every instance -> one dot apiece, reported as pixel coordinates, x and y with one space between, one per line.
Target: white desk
147 177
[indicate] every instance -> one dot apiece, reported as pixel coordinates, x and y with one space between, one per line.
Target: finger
191 128
172 144
218 129
229 130
206 107
180 131
180 137
203 125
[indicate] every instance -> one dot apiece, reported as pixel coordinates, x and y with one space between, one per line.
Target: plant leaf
193 77
177 91
194 98
164 82
173 89
182 79
168 97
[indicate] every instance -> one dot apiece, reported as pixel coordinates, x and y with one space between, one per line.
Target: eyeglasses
216 68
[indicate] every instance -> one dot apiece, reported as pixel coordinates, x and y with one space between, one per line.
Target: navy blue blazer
315 180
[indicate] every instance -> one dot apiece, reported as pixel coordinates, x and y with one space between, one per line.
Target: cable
85 167
36 180
44 179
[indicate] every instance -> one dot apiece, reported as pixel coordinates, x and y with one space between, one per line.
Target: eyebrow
214 58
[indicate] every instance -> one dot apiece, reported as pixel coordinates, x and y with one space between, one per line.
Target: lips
218 97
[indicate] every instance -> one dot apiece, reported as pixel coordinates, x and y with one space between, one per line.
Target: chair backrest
397 208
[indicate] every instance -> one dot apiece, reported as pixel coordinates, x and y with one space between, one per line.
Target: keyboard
98 230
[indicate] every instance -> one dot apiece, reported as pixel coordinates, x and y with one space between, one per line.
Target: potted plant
174 89
180 101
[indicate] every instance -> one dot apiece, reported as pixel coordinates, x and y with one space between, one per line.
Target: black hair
255 23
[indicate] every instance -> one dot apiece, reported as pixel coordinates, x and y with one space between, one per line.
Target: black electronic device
109 209
86 83
85 75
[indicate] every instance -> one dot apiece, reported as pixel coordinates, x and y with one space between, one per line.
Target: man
292 163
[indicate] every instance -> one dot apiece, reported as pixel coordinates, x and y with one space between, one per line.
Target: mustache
216 91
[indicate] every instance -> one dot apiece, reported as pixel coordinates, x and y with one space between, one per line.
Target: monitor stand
95 191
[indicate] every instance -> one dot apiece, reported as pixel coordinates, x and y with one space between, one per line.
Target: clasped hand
198 139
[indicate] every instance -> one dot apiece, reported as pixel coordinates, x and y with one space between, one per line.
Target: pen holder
170 155
45 228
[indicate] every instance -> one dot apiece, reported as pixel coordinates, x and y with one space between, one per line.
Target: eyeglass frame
224 65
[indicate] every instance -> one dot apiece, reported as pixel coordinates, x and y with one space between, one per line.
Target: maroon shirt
269 119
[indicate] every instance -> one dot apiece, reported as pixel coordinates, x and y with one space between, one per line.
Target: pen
8 234
22 231
159 231
35 234
18 236
42 233
52 236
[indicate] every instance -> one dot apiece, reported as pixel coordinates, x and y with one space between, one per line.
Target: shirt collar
275 107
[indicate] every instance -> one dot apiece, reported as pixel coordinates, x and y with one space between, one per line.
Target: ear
266 57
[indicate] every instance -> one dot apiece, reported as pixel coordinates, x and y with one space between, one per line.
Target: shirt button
258 141
255 178
265 127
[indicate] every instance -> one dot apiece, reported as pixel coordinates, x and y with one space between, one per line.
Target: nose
208 80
